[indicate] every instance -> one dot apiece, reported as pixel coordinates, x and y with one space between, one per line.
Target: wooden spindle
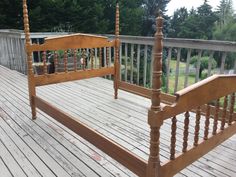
100 58
185 135
107 56
56 61
207 122
44 62
65 61
173 138
223 118
92 58
231 111
216 117
75 59
197 126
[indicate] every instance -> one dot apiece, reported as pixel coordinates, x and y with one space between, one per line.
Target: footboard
215 95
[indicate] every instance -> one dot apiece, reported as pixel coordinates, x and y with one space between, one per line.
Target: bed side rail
200 133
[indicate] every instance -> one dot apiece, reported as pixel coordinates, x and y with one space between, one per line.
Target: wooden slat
187 68
132 63
198 65
222 65
210 63
145 66
138 63
70 76
194 153
126 61
177 70
128 159
168 69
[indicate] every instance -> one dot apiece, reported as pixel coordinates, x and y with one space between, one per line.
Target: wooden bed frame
195 98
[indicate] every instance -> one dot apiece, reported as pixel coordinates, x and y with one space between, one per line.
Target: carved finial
26 22
117 19
159 13
157 66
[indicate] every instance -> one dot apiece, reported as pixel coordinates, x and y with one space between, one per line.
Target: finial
159 13
117 1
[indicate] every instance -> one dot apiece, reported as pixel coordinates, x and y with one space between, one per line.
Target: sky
175 4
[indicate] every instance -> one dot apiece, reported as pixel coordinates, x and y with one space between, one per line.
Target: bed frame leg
33 109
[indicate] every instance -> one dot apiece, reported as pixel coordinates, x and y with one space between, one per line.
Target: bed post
155 122
117 49
31 84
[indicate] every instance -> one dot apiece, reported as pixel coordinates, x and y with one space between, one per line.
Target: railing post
31 84
153 168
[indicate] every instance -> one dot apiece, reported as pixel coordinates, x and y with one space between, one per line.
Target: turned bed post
117 47
31 84
155 122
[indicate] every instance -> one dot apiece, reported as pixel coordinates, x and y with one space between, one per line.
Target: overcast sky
175 4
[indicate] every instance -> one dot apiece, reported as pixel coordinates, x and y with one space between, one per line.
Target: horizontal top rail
213 45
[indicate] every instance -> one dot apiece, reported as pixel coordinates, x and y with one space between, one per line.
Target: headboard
83 51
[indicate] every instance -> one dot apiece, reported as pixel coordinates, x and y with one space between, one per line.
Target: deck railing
136 58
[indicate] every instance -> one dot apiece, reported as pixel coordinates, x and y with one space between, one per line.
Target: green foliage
196 24
204 61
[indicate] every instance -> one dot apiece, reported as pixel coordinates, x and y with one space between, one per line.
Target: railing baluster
100 57
177 70
231 112
207 122
83 59
109 61
96 57
216 116
185 137
75 59
56 61
151 67
145 66
120 61
210 64
197 126
65 61
168 69
44 62
222 127
222 65
173 138
138 63
126 61
187 68
92 58
132 64
198 65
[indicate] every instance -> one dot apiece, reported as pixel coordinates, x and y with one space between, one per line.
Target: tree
151 8
199 24
180 15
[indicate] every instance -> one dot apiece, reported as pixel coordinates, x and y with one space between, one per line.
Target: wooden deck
44 147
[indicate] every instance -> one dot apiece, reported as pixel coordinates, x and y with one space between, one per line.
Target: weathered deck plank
123 120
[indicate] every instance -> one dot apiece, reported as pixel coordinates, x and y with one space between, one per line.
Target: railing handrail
213 45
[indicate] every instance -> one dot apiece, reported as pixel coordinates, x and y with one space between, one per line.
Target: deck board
50 149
